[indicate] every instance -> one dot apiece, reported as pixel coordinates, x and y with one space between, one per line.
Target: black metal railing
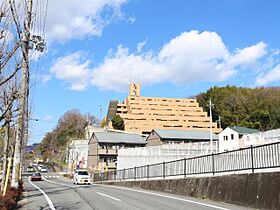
250 158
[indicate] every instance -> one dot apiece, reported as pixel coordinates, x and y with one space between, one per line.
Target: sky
174 48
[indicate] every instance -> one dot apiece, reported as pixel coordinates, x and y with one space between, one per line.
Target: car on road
43 169
30 169
81 177
36 177
40 166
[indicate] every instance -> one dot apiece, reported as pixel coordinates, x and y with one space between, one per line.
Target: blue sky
175 48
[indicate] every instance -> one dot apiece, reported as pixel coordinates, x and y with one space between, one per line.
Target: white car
43 169
81 177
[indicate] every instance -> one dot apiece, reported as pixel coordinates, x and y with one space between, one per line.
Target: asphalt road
57 192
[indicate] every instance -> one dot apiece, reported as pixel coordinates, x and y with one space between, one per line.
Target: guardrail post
163 169
123 174
147 171
213 164
252 158
185 167
134 173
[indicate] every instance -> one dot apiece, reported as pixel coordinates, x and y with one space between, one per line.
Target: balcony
107 151
110 165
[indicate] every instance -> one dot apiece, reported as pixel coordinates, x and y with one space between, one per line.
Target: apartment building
104 146
143 114
159 137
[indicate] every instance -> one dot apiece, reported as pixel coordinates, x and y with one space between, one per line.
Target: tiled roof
244 130
111 137
185 134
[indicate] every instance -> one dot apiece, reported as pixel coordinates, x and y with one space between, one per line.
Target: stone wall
261 190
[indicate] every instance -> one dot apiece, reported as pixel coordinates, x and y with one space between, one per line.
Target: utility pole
220 122
24 92
211 129
100 109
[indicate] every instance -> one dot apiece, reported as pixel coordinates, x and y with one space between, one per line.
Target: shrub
9 201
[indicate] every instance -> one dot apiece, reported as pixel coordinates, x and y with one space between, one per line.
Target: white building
78 154
231 138
168 145
90 129
259 138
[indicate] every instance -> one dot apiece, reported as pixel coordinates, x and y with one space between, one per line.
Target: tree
249 107
118 122
103 123
70 126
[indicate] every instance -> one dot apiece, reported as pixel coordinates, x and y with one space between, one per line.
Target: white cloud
140 46
45 77
271 76
48 118
188 58
249 54
68 19
73 70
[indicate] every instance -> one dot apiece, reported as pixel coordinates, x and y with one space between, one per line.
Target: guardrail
250 158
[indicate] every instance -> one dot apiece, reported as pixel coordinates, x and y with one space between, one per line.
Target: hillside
251 107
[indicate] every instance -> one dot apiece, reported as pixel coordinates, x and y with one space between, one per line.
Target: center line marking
46 196
108 196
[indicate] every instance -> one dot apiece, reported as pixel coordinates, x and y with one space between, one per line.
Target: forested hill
254 108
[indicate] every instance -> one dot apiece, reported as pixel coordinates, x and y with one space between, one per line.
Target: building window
232 136
225 138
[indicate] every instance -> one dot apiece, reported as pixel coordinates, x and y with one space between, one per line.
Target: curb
22 203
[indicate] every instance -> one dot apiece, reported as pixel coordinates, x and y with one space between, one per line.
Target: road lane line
58 183
71 186
46 196
108 196
167 196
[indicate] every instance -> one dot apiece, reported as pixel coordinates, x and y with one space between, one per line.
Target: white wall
133 157
259 138
78 153
229 144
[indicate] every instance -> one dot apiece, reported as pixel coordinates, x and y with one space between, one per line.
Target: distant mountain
250 107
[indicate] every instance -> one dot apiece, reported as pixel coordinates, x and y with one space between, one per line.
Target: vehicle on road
36 177
40 166
30 169
81 177
43 169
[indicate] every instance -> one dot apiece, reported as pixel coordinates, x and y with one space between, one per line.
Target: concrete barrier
261 190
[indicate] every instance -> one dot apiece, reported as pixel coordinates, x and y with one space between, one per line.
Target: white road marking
66 184
57 183
108 196
46 196
167 196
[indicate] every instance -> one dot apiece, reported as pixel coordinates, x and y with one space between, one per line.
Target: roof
185 134
244 130
118 138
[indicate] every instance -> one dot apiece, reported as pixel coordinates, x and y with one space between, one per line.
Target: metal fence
251 158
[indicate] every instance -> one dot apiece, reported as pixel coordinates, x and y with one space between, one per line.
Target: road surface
57 192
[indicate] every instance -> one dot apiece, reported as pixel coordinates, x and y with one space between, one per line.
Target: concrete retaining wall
260 190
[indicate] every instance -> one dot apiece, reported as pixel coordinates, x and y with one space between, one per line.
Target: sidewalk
22 203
